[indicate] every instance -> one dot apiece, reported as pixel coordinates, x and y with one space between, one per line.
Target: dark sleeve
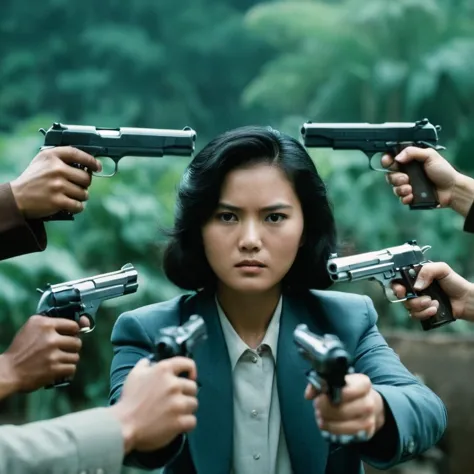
469 222
415 417
132 343
17 235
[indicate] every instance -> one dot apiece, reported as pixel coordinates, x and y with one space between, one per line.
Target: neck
249 314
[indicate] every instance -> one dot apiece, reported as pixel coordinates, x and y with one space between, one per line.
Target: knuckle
57 185
369 424
369 407
178 405
187 423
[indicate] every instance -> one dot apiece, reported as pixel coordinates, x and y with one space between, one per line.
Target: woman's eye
226 216
275 218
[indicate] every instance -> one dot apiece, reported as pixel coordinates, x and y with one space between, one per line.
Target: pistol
176 341
402 264
382 138
116 143
330 363
77 298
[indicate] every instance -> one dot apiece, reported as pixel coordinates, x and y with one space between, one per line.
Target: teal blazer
416 417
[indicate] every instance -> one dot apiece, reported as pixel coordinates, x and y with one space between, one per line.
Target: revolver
330 363
402 264
77 298
115 143
382 138
179 340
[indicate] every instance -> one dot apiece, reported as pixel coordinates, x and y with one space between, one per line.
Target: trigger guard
393 300
382 170
90 328
97 175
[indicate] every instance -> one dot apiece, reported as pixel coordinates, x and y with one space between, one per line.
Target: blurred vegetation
214 66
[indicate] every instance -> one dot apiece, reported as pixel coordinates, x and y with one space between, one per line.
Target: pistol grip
424 192
444 315
63 215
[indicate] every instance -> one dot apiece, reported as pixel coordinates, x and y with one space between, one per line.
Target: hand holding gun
116 143
387 138
42 351
75 299
394 264
454 189
459 291
331 370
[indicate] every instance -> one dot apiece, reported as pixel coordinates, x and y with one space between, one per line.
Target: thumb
429 272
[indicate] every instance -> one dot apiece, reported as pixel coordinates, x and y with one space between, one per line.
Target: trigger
391 296
86 330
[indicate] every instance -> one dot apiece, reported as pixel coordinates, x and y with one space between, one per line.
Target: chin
251 286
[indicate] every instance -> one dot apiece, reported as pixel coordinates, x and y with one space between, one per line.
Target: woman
253 231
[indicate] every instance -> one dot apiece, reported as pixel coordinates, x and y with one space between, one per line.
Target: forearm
8 384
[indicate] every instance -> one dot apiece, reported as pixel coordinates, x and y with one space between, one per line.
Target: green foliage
369 60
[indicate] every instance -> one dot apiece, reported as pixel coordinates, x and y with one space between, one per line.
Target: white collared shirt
259 442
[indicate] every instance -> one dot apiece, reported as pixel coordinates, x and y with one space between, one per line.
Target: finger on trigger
71 155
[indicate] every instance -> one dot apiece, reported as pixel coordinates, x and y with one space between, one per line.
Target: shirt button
256 456
254 359
99 471
411 447
254 413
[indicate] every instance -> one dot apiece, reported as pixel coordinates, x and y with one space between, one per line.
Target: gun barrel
123 141
87 291
368 137
365 265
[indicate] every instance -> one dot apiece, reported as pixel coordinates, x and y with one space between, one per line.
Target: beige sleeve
87 442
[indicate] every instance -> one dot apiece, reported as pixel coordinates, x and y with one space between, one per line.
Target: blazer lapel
211 442
307 448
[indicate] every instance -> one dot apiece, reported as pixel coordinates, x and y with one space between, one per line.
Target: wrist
468 310
9 382
379 410
16 191
127 426
462 195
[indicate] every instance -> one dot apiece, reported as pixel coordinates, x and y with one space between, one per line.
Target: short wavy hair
185 263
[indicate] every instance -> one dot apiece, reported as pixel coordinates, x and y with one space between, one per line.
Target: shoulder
146 321
346 314
346 302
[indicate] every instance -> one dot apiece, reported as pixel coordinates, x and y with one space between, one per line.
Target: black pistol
176 341
388 138
116 143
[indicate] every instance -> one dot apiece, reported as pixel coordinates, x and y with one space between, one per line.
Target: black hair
185 262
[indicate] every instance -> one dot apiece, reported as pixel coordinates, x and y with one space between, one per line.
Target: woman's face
252 238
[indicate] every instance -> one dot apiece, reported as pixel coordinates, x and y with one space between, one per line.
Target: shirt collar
237 347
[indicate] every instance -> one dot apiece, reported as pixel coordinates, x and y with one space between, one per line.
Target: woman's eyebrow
274 207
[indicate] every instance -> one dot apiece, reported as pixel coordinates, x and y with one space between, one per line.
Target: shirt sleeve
88 441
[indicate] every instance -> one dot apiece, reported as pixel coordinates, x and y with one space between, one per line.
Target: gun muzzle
180 340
